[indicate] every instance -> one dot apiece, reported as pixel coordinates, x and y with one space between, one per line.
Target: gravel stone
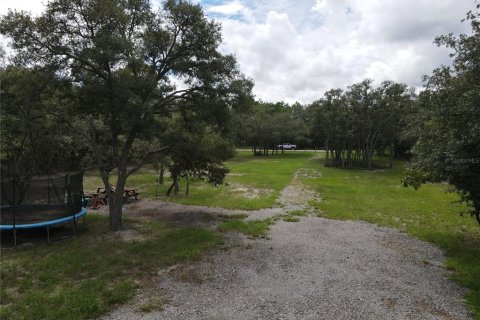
313 269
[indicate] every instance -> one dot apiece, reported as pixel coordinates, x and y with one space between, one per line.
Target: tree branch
144 160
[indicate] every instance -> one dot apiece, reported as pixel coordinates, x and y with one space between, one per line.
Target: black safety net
39 199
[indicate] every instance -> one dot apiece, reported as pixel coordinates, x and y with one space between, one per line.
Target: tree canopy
448 126
129 67
35 137
356 122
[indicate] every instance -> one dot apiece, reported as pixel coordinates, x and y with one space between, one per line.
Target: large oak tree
130 67
448 126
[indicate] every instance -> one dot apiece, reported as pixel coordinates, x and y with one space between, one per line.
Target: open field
375 196
254 182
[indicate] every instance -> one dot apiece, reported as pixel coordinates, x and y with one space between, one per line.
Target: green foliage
448 147
84 277
35 135
195 151
355 123
125 59
270 124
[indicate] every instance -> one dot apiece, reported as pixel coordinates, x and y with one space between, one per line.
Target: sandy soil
312 269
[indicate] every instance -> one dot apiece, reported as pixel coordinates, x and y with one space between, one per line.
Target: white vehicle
287 146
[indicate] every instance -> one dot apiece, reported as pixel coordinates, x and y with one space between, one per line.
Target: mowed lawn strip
431 213
253 182
84 277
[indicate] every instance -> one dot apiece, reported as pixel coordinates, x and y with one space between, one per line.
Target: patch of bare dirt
308 173
249 192
129 235
426 310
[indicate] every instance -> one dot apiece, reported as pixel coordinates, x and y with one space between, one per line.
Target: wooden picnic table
97 198
131 192
127 192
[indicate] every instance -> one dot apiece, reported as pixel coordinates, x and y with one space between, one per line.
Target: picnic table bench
131 192
96 199
127 192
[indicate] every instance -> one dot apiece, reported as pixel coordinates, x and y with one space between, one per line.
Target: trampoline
42 202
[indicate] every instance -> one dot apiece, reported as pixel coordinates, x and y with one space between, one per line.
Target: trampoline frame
73 217
46 224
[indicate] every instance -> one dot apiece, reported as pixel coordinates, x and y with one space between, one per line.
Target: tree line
350 125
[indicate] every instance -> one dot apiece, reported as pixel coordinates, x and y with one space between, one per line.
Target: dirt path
312 269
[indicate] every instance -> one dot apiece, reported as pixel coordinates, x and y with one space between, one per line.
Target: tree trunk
326 154
188 187
174 183
115 206
115 200
170 189
391 155
162 172
368 155
176 186
476 210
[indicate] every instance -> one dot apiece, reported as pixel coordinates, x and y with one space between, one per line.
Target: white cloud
33 6
295 50
231 8
319 6
298 52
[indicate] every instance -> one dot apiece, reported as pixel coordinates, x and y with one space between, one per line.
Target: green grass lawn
84 277
253 182
430 214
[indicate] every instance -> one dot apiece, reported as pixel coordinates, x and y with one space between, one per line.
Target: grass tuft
298 213
257 228
235 216
291 219
154 304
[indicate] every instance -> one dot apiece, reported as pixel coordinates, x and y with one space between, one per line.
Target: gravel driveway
312 269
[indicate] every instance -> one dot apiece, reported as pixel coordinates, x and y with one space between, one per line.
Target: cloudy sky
296 50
